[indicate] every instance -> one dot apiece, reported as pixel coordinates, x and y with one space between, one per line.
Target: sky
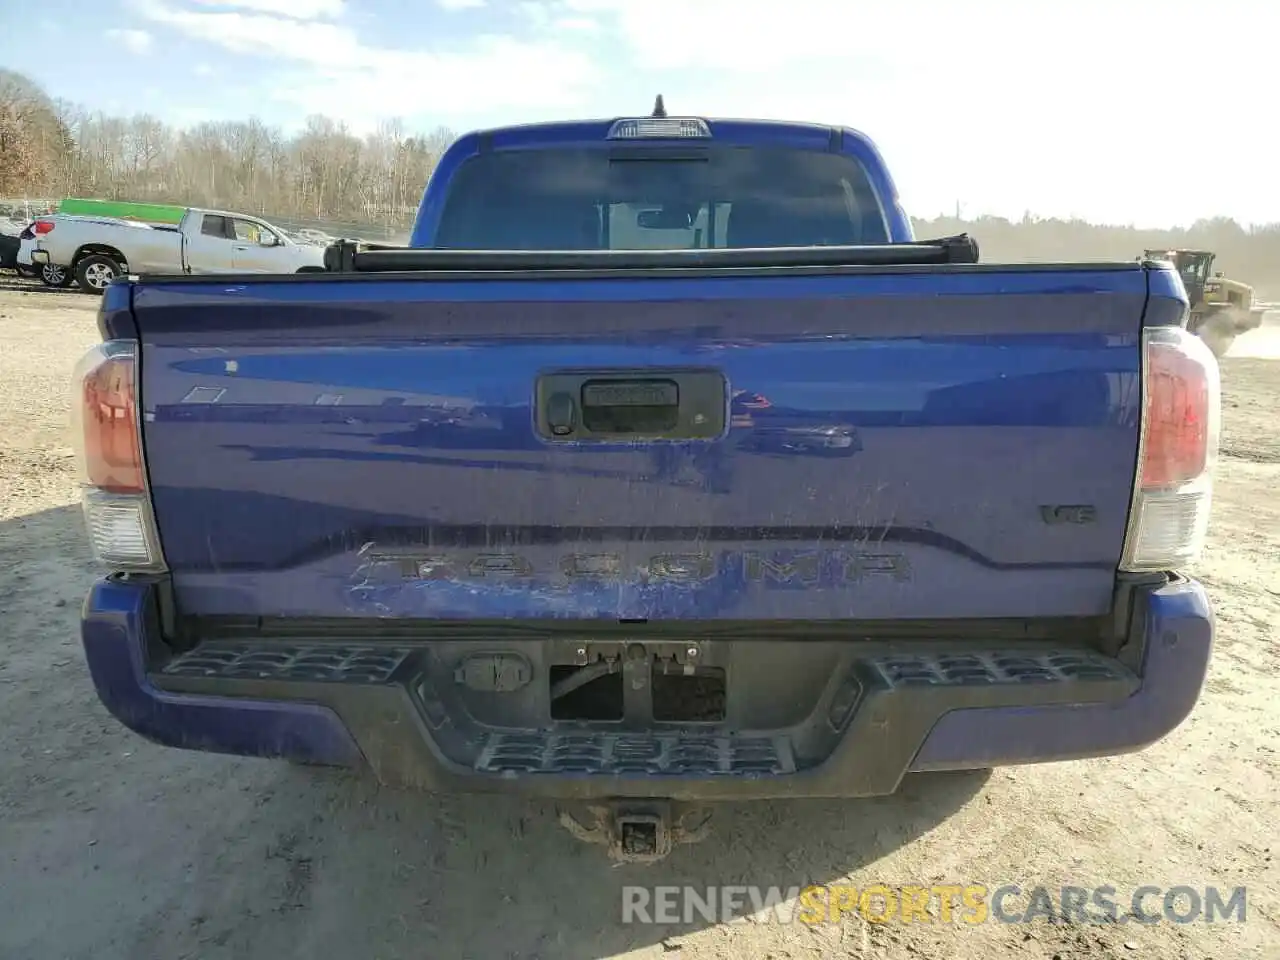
1089 109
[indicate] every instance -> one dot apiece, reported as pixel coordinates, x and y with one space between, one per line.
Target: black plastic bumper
884 712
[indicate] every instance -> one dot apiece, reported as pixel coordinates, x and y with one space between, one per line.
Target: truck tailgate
922 443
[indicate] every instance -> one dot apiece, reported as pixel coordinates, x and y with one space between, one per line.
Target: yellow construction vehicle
1221 309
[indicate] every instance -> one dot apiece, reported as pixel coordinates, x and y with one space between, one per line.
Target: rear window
600 199
214 226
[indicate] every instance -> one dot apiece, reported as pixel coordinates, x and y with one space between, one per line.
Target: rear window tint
214 226
593 199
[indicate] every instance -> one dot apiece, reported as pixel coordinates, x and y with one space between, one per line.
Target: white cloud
287 39
185 116
324 66
135 41
578 24
459 84
293 9
1001 104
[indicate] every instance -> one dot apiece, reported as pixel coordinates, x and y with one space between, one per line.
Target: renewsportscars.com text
933 903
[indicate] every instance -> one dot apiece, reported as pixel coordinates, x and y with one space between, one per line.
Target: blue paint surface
295 431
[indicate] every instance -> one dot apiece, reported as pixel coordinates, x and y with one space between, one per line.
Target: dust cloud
1260 344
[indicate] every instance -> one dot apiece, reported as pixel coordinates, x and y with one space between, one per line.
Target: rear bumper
878 726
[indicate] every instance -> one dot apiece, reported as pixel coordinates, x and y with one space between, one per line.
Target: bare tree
30 135
324 172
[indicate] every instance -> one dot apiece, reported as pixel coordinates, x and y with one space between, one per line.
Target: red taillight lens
1182 416
108 438
41 227
1178 407
111 450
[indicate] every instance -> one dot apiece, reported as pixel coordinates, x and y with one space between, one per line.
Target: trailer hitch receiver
634 832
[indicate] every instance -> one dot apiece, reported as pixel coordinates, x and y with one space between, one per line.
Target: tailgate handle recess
632 405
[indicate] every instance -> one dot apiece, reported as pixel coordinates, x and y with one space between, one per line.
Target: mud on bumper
874 711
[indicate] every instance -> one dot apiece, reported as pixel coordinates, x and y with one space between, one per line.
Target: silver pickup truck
96 250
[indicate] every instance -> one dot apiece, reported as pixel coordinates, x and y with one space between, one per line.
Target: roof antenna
659 108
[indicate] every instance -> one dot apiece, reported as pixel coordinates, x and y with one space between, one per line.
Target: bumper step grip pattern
1011 667
635 754
324 662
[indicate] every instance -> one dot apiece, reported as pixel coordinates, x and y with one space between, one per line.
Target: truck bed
940 441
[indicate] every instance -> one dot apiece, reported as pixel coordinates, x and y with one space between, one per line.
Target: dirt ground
113 848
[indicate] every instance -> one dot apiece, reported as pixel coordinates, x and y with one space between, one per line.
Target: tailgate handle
632 405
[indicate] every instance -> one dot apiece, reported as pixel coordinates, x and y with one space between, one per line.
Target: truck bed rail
347 256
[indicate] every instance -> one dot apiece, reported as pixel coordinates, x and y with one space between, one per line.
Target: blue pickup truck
664 466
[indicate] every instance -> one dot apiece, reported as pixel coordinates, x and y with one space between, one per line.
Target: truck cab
660 184
221 242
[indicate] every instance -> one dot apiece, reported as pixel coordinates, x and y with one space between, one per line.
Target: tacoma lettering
780 568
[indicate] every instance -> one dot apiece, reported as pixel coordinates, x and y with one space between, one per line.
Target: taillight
1178 447
41 227
107 434
112 450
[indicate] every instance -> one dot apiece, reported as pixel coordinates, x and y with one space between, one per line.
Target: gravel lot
113 848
